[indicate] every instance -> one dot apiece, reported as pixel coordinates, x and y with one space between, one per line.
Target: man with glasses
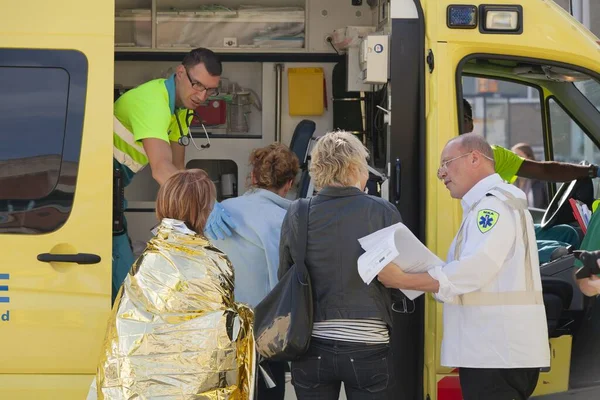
495 328
151 127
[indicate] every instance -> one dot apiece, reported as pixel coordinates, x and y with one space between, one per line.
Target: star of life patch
486 220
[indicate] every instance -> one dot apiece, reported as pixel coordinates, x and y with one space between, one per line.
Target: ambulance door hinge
430 61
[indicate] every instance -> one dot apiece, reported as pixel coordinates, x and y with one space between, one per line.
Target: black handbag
283 320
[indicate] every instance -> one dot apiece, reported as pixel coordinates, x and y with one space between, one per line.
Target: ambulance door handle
79 258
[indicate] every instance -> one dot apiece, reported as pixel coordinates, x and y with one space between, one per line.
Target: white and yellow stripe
126 150
530 296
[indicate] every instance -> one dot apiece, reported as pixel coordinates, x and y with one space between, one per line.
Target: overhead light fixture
461 16
506 19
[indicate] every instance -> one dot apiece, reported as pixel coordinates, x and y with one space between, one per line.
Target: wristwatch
594 171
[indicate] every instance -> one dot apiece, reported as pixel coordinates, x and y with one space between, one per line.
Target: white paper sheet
396 244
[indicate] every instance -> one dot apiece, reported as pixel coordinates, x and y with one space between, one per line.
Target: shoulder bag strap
303 212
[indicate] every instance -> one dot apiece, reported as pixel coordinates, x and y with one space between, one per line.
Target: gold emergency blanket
175 331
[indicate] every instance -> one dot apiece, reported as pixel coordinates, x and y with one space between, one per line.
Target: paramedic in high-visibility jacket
151 127
495 328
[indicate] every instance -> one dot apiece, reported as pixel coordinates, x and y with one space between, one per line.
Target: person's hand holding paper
395 244
392 276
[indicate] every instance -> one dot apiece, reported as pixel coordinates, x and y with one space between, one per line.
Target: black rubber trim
79 258
407 144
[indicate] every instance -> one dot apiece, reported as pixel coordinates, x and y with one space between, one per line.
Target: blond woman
352 320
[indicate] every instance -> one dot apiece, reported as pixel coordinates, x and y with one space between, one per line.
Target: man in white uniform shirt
495 328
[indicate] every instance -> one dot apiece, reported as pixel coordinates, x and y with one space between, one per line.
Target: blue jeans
365 369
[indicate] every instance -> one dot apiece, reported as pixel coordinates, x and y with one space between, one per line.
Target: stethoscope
184 140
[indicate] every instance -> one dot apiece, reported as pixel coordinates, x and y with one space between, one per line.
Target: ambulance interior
291 71
555 109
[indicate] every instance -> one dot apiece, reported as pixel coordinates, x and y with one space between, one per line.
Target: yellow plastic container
305 91
556 379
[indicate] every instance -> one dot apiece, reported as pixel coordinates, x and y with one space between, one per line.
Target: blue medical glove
216 226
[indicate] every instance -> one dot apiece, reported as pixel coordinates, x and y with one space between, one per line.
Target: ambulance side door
56 79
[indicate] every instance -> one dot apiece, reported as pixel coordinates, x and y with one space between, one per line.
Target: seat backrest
562 269
557 298
301 139
560 288
553 306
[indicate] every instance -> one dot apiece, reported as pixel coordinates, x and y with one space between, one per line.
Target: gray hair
337 158
475 142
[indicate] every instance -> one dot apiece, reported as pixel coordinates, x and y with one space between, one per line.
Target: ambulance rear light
506 19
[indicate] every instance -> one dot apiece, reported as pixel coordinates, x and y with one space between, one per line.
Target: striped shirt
352 330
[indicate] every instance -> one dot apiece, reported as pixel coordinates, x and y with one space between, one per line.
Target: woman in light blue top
253 248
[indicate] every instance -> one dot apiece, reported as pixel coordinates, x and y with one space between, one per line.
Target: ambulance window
41 118
508 114
569 142
590 88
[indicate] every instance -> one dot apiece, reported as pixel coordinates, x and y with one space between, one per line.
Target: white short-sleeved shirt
492 259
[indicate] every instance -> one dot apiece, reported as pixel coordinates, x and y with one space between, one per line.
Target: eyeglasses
200 87
444 165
